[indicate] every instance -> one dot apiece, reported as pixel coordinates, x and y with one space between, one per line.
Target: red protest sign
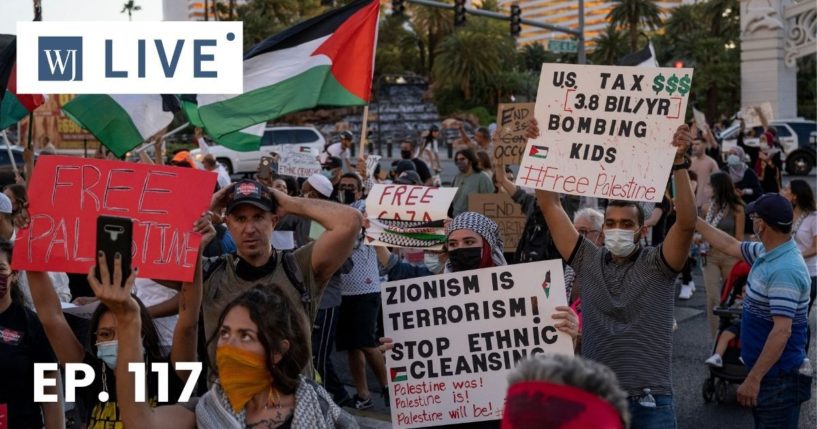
67 195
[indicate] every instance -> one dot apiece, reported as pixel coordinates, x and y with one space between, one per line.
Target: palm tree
632 14
610 46
130 7
470 58
431 25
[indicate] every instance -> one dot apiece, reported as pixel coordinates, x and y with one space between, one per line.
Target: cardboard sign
372 161
605 132
512 121
407 216
752 119
457 335
67 195
505 212
297 161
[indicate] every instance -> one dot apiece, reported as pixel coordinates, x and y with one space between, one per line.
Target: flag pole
11 155
170 133
364 131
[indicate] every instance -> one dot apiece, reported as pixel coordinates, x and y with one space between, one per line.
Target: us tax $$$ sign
605 131
67 194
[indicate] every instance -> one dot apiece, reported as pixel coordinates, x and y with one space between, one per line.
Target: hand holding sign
682 140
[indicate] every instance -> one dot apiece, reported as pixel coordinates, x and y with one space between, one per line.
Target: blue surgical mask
733 160
327 174
106 352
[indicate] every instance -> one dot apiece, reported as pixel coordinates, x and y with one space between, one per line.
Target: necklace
799 221
712 218
273 422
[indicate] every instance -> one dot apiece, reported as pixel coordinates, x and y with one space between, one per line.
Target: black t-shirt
106 414
422 169
22 344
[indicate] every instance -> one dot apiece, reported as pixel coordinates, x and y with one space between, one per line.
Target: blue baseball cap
773 208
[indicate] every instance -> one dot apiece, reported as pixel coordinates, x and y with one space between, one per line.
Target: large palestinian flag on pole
324 61
13 106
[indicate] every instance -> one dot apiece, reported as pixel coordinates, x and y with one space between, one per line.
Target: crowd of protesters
284 278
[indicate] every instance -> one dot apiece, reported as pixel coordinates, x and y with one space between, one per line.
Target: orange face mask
242 374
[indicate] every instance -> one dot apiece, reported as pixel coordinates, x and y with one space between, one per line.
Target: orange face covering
242 375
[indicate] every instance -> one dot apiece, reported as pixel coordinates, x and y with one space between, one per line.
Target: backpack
536 243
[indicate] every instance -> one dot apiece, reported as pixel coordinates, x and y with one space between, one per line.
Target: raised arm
128 330
502 179
719 240
65 344
558 222
342 224
676 245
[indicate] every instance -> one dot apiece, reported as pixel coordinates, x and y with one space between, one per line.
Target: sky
12 11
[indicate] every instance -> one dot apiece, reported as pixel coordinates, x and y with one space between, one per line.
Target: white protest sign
605 132
752 119
700 120
407 216
297 161
457 335
372 161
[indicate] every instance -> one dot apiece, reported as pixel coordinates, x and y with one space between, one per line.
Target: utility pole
582 54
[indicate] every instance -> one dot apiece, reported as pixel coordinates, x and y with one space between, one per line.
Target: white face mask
432 262
620 242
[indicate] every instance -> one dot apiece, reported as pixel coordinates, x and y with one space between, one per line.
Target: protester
774 321
182 159
627 297
19 204
744 178
726 213
332 169
769 163
485 164
657 221
801 197
407 153
359 314
340 150
703 165
468 181
482 139
252 211
587 394
210 164
261 351
22 344
589 223
429 150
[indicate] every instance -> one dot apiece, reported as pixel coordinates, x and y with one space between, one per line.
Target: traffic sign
562 46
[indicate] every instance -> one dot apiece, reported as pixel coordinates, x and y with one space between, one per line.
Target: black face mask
465 259
347 196
405 154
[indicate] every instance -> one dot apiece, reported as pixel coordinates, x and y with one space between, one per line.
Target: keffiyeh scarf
486 228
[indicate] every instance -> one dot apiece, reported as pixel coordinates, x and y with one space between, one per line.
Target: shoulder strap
293 272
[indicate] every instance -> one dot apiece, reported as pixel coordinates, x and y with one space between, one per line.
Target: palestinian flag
398 373
248 139
13 106
538 152
324 61
122 122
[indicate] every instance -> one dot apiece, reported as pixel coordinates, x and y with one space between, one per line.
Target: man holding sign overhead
628 293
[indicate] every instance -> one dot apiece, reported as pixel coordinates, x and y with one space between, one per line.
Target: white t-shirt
223 177
152 293
337 149
804 238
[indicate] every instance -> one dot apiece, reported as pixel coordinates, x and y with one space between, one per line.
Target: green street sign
562 46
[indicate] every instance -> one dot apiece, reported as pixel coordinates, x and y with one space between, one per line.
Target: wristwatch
682 166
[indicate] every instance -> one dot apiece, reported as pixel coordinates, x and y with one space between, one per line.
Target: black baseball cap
251 192
333 162
773 208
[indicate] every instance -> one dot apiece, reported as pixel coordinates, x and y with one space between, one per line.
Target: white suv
247 162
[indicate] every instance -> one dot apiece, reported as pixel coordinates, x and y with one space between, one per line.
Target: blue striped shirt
778 285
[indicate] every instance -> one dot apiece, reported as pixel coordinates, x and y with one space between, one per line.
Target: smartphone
115 235
265 167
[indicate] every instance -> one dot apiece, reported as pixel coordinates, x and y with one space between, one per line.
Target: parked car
6 169
247 162
798 138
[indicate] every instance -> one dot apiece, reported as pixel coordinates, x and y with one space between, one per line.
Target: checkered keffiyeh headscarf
483 226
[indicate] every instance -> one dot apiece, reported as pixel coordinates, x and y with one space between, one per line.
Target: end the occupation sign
605 131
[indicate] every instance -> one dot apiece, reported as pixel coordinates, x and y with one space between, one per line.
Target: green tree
397 48
632 15
430 26
610 46
533 55
130 7
263 18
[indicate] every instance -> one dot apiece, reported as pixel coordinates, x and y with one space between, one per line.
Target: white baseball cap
321 184
5 204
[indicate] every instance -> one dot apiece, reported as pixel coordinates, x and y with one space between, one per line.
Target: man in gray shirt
628 290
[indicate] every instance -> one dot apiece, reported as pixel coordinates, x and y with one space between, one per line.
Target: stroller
733 371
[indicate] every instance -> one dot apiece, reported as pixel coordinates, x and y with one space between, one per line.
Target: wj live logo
60 58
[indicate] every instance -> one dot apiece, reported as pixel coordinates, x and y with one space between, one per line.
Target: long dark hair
7 248
276 322
150 337
723 191
471 156
804 196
